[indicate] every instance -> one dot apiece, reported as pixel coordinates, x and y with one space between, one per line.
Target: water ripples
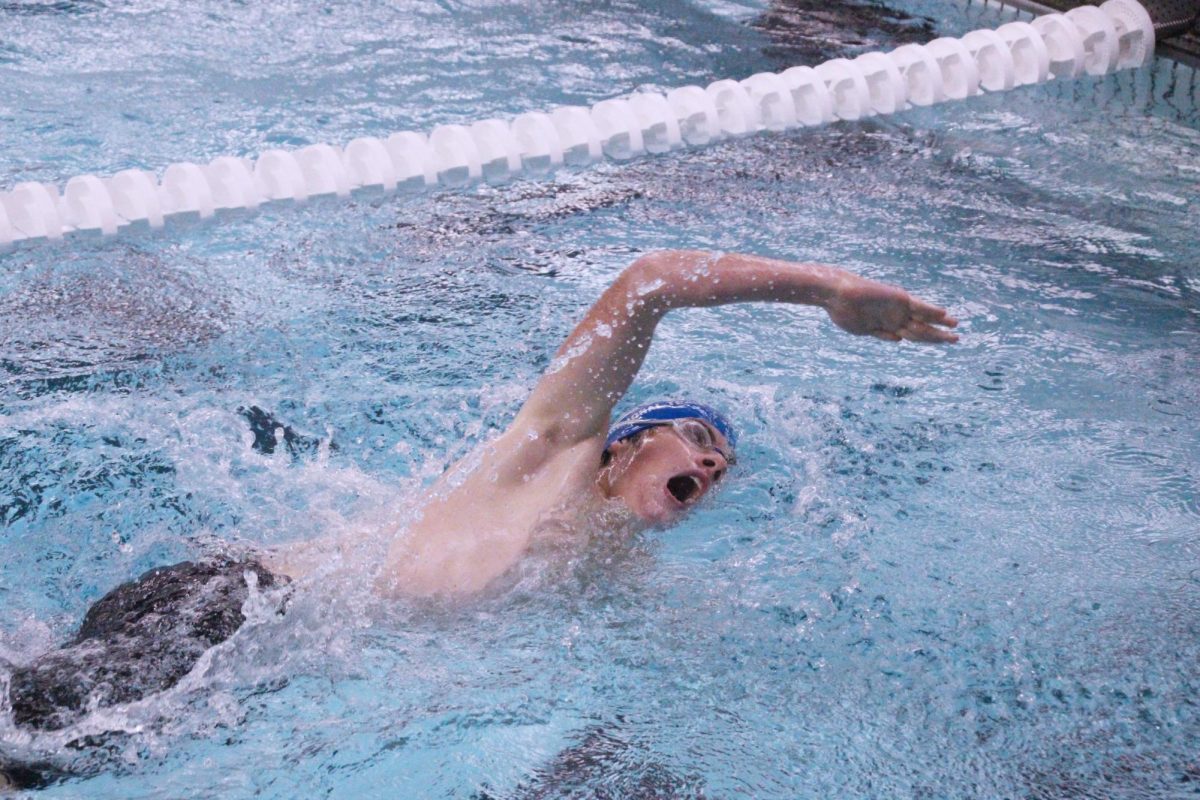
966 572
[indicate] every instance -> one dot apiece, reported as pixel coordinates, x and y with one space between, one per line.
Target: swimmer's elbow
657 264
662 275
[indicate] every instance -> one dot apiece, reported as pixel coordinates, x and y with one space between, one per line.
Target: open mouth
683 487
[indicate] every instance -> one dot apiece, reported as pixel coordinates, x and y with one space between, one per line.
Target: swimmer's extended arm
594 367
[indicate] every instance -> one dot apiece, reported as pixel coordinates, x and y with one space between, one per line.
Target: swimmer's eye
697 433
701 435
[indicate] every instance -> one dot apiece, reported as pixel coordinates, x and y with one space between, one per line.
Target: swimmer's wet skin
558 467
551 469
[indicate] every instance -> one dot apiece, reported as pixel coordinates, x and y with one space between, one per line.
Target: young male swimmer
559 467
559 457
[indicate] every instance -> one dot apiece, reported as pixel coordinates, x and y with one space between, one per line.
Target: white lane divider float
412 159
699 122
1094 40
135 197
538 143
1031 59
619 129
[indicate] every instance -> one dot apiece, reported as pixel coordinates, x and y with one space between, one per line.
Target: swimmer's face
664 471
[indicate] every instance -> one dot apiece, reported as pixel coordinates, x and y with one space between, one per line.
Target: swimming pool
968 572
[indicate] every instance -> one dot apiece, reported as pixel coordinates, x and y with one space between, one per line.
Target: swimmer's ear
618 447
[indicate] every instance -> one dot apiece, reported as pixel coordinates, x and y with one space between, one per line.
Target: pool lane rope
1088 40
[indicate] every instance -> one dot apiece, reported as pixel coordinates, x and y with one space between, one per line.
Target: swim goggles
699 434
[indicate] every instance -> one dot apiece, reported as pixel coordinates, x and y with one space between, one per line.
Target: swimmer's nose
714 464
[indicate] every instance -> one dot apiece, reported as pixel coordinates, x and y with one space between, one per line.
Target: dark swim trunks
140 638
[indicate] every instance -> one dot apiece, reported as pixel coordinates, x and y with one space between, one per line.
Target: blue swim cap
652 414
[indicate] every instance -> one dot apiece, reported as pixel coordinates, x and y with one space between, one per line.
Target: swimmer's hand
868 308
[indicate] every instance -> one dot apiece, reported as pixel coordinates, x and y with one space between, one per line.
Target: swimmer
560 466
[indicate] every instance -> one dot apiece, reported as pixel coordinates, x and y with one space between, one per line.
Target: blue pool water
970 572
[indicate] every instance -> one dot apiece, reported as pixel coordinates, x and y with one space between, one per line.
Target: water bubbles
934 572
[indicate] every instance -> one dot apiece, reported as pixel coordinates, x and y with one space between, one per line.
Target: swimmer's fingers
917 331
928 312
887 336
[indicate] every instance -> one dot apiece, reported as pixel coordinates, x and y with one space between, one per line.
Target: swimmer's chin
658 515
